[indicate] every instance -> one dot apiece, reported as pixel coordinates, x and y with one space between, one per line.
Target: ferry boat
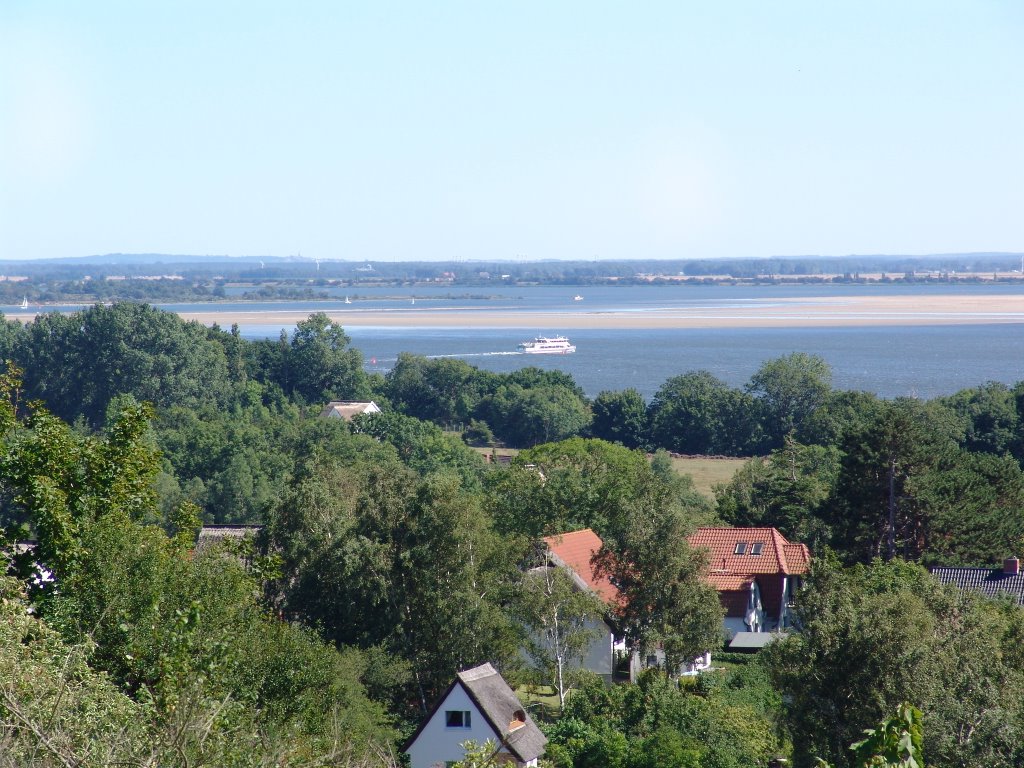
547 345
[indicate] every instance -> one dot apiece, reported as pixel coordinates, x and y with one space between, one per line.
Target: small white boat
547 345
348 300
24 303
577 297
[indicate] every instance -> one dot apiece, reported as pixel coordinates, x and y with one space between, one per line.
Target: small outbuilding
347 409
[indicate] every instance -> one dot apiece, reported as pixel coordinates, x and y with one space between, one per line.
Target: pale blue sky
399 131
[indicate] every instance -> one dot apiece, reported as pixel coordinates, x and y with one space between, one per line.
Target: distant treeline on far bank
148 277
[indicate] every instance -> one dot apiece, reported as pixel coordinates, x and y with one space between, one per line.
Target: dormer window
756 547
741 548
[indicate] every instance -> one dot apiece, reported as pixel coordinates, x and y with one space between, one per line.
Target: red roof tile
575 550
777 555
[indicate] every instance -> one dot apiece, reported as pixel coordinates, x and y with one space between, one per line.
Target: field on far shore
706 471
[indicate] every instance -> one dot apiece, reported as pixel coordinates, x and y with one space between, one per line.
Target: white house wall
734 624
599 658
437 743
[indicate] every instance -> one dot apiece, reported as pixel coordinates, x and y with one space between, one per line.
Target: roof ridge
476 673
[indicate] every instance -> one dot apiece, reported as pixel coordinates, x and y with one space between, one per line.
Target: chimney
1011 566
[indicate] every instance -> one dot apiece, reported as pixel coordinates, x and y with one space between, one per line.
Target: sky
405 131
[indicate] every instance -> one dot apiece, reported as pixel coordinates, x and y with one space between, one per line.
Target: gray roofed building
478 706
990 582
212 535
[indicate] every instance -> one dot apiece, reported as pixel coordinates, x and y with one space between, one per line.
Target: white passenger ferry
547 345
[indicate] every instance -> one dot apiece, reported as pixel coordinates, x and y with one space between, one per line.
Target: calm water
911 360
923 361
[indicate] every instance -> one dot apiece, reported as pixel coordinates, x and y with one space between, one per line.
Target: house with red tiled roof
757 573
574 551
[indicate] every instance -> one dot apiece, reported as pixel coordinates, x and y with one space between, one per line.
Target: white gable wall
437 744
599 657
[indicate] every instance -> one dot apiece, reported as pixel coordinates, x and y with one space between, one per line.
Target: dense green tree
789 391
992 422
238 458
874 636
181 633
784 491
843 412
445 390
377 557
666 600
422 446
54 709
321 365
544 415
579 483
65 482
698 413
656 722
78 363
975 509
879 505
621 417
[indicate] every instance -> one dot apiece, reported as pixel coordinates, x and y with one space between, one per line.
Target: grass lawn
707 472
539 699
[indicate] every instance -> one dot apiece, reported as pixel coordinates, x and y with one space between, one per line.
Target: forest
392 554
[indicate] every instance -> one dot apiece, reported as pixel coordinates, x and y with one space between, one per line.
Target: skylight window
756 547
741 548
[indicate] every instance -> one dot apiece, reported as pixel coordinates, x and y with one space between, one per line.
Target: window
456 718
741 548
756 547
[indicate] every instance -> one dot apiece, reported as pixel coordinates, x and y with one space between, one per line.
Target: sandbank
809 312
826 311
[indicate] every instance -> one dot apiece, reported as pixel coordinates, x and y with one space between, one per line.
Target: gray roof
211 535
753 640
988 581
500 705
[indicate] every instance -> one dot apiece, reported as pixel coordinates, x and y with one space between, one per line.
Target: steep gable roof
988 581
504 712
575 550
501 708
730 571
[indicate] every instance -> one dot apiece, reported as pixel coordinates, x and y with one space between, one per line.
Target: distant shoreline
824 312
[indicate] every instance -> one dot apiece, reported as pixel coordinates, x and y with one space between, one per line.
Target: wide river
917 340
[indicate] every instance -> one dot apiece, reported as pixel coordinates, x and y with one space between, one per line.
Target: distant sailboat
348 300
24 303
577 297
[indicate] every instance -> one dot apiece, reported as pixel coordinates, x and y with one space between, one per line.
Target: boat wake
472 354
